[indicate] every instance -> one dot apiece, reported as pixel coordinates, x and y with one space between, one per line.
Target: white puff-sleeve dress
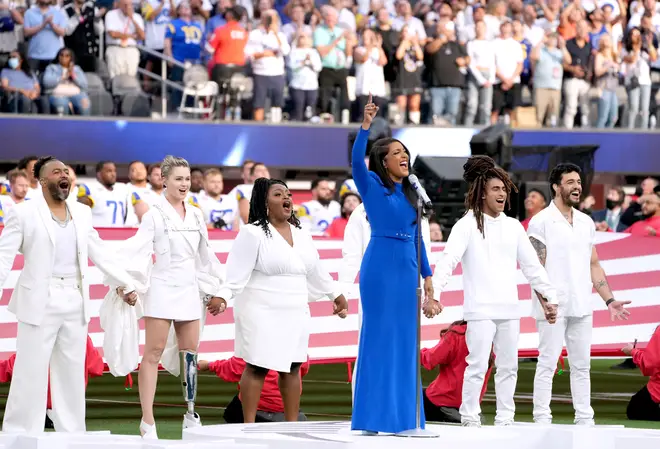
271 283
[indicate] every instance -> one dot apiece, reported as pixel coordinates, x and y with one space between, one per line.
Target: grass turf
327 396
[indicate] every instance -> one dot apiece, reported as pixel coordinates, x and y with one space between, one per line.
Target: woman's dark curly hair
259 204
377 154
343 199
477 171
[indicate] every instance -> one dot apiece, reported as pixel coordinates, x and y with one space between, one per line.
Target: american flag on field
631 263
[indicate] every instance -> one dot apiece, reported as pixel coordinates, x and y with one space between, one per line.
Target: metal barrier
164 60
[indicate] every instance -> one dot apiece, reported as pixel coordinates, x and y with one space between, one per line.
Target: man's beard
324 201
566 197
56 193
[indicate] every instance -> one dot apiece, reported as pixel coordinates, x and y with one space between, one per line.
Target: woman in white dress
171 248
273 270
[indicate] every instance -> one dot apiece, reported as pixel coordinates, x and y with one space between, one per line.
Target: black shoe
626 364
49 423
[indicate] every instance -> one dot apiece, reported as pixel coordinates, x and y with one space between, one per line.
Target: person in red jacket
645 404
442 398
93 363
271 406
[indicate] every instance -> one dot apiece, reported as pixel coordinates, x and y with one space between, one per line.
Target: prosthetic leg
189 383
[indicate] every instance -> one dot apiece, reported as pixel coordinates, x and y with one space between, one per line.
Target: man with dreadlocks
489 244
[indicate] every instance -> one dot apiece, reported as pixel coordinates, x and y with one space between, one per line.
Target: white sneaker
148 431
470 424
191 420
585 422
504 423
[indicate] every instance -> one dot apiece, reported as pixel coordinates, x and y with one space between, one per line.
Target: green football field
327 396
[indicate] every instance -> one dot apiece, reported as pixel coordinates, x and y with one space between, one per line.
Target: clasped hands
129 298
431 307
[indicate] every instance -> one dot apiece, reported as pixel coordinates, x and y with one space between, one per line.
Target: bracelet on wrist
609 301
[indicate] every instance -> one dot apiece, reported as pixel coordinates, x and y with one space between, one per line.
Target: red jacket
230 370
450 353
648 361
93 363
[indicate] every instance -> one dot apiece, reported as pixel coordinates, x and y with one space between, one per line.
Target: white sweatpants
60 342
481 336
577 332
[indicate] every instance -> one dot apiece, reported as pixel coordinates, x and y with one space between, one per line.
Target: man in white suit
51 301
356 239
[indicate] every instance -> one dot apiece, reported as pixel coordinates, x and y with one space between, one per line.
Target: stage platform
337 435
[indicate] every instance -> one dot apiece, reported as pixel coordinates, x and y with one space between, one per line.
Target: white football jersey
316 217
109 207
226 208
137 194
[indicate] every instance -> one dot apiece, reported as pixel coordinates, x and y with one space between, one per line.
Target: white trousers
59 342
577 332
122 60
502 337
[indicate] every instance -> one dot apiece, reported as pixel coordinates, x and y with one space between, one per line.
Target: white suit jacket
29 228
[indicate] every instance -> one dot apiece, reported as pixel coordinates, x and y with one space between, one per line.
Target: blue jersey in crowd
527 50
186 39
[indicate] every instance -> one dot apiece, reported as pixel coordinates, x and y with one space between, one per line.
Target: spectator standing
548 59
481 77
305 64
81 33
19 84
45 26
638 54
157 15
66 84
606 69
598 28
183 43
267 46
531 30
391 41
124 27
370 60
449 62
332 44
509 60
408 68
526 47
576 76
227 45
468 32
10 18
297 26
405 17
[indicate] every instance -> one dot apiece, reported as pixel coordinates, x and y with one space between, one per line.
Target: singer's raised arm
361 174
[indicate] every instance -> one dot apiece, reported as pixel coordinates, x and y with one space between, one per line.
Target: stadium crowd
324 210
471 62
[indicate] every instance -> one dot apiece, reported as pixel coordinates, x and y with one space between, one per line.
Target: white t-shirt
508 54
154 33
115 20
568 259
370 76
258 41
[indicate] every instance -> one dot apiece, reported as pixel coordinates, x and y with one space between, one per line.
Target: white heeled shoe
148 431
191 420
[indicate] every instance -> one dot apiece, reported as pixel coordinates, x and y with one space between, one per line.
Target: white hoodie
490 275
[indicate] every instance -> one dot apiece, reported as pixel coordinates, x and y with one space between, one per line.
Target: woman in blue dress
386 373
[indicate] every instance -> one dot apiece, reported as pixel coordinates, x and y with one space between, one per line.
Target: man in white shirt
220 211
124 27
317 214
405 17
51 302
243 192
564 239
490 244
509 60
18 189
108 198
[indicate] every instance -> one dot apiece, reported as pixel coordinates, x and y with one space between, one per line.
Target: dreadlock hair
476 172
259 204
377 154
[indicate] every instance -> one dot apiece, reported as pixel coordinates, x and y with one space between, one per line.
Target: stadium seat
100 99
129 100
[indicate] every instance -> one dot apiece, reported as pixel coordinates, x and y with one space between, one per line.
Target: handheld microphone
421 193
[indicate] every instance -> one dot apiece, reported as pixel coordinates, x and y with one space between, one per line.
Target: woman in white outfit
184 274
273 270
356 239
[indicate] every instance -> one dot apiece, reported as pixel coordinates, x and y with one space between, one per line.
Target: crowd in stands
471 62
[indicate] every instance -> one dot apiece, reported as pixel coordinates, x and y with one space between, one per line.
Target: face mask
611 204
13 63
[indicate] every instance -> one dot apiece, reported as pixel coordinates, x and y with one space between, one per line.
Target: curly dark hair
39 165
477 171
259 204
377 154
559 171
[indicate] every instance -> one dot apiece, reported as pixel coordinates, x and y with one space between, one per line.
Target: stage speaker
379 130
442 177
494 141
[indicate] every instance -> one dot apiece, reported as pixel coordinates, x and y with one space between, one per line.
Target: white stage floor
337 435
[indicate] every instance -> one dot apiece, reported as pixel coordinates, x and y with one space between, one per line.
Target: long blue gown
386 372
